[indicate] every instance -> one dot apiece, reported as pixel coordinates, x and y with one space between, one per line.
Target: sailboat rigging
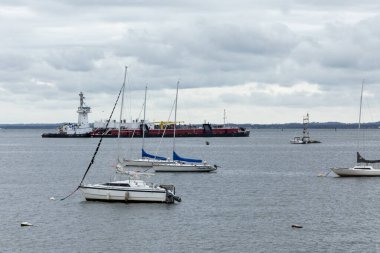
181 164
133 189
146 160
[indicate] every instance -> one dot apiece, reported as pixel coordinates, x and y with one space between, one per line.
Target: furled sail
145 154
178 158
361 159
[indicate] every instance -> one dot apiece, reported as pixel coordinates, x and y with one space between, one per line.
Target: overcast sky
264 61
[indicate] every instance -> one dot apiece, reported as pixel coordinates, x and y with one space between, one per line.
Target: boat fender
126 196
26 224
169 196
177 198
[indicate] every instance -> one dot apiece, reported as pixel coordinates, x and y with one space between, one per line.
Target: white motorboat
130 190
297 140
134 188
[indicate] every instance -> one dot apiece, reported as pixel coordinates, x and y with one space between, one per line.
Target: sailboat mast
121 114
224 118
360 110
175 116
143 123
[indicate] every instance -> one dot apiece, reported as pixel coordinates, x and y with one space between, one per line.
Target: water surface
264 185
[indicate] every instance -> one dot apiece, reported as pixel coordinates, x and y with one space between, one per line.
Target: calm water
264 186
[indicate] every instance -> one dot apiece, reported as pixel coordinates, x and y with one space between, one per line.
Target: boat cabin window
117 184
363 168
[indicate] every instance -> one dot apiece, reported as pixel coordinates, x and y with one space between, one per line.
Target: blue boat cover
145 154
178 158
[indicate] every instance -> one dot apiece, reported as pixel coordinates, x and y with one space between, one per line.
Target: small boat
133 188
182 164
363 169
297 140
305 139
130 190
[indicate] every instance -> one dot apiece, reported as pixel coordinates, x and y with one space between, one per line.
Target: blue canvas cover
145 154
178 158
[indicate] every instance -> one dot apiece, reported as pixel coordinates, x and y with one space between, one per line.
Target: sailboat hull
180 167
351 172
144 162
138 163
123 194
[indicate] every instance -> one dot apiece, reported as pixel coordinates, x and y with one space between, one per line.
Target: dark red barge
181 131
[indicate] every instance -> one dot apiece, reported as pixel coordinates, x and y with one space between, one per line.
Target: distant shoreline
312 125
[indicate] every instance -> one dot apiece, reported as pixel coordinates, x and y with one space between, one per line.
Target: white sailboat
364 167
132 189
182 164
146 160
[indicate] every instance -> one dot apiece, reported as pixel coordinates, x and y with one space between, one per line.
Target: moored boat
305 139
362 169
146 160
364 166
357 171
130 190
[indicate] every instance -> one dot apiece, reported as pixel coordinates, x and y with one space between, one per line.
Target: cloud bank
263 61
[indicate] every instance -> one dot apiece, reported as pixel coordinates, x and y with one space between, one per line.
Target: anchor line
101 139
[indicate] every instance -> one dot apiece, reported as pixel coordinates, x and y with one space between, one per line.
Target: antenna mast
306 126
175 115
121 114
361 100
224 117
143 123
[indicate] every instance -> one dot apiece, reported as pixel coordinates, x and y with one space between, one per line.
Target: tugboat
305 139
72 130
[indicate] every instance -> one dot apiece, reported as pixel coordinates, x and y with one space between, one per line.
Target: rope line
97 148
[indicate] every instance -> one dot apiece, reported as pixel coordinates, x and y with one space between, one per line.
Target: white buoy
26 224
52 198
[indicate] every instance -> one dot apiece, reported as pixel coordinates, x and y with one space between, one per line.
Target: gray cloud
52 50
